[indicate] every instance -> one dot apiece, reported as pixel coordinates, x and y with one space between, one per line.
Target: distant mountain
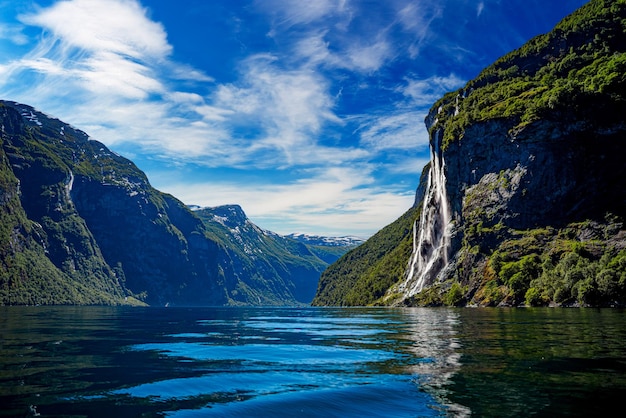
327 241
524 199
80 224
259 254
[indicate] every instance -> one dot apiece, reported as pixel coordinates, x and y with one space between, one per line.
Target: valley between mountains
523 203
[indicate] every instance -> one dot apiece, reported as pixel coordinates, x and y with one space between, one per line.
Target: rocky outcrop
501 178
48 255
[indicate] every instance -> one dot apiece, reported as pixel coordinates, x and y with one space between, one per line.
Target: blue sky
309 114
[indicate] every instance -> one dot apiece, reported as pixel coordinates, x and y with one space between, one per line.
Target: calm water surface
311 362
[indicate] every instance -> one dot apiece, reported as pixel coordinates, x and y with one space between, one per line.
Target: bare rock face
500 178
549 172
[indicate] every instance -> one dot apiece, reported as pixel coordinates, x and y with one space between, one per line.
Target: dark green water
310 362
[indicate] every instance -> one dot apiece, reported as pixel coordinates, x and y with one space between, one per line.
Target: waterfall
431 238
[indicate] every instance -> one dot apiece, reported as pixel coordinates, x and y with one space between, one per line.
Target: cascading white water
431 239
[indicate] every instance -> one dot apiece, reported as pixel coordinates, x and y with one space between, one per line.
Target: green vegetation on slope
264 258
82 225
363 275
576 75
583 264
27 274
580 66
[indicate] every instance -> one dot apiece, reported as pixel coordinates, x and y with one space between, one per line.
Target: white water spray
431 239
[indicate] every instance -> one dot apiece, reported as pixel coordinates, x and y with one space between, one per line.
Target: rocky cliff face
82 225
501 178
45 243
525 200
537 140
100 223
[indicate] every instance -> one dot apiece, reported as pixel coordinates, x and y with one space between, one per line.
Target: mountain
80 224
328 249
327 241
524 199
258 254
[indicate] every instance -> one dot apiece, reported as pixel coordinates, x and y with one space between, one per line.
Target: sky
308 114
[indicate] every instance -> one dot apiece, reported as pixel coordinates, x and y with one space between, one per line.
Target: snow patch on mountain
345 241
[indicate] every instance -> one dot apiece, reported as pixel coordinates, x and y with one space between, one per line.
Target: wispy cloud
285 111
480 7
425 91
13 33
366 57
108 68
118 26
402 130
415 19
287 13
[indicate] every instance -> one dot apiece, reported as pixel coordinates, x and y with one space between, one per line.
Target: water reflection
284 357
235 362
434 333
311 362
541 362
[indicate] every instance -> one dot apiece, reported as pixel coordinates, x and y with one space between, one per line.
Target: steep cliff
525 198
82 225
47 254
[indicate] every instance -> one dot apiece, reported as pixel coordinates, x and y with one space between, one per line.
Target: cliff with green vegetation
80 224
526 199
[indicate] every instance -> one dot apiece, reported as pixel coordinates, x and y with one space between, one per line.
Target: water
310 362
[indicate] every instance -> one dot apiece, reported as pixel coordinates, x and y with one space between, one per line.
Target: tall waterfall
431 238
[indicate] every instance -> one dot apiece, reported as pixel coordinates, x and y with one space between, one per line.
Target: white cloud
46 66
116 26
479 8
424 92
367 58
313 48
102 47
411 165
107 73
289 106
13 33
335 201
400 130
363 56
322 37
294 12
416 19
104 66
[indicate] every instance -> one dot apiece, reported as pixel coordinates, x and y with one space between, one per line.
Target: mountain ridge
82 225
